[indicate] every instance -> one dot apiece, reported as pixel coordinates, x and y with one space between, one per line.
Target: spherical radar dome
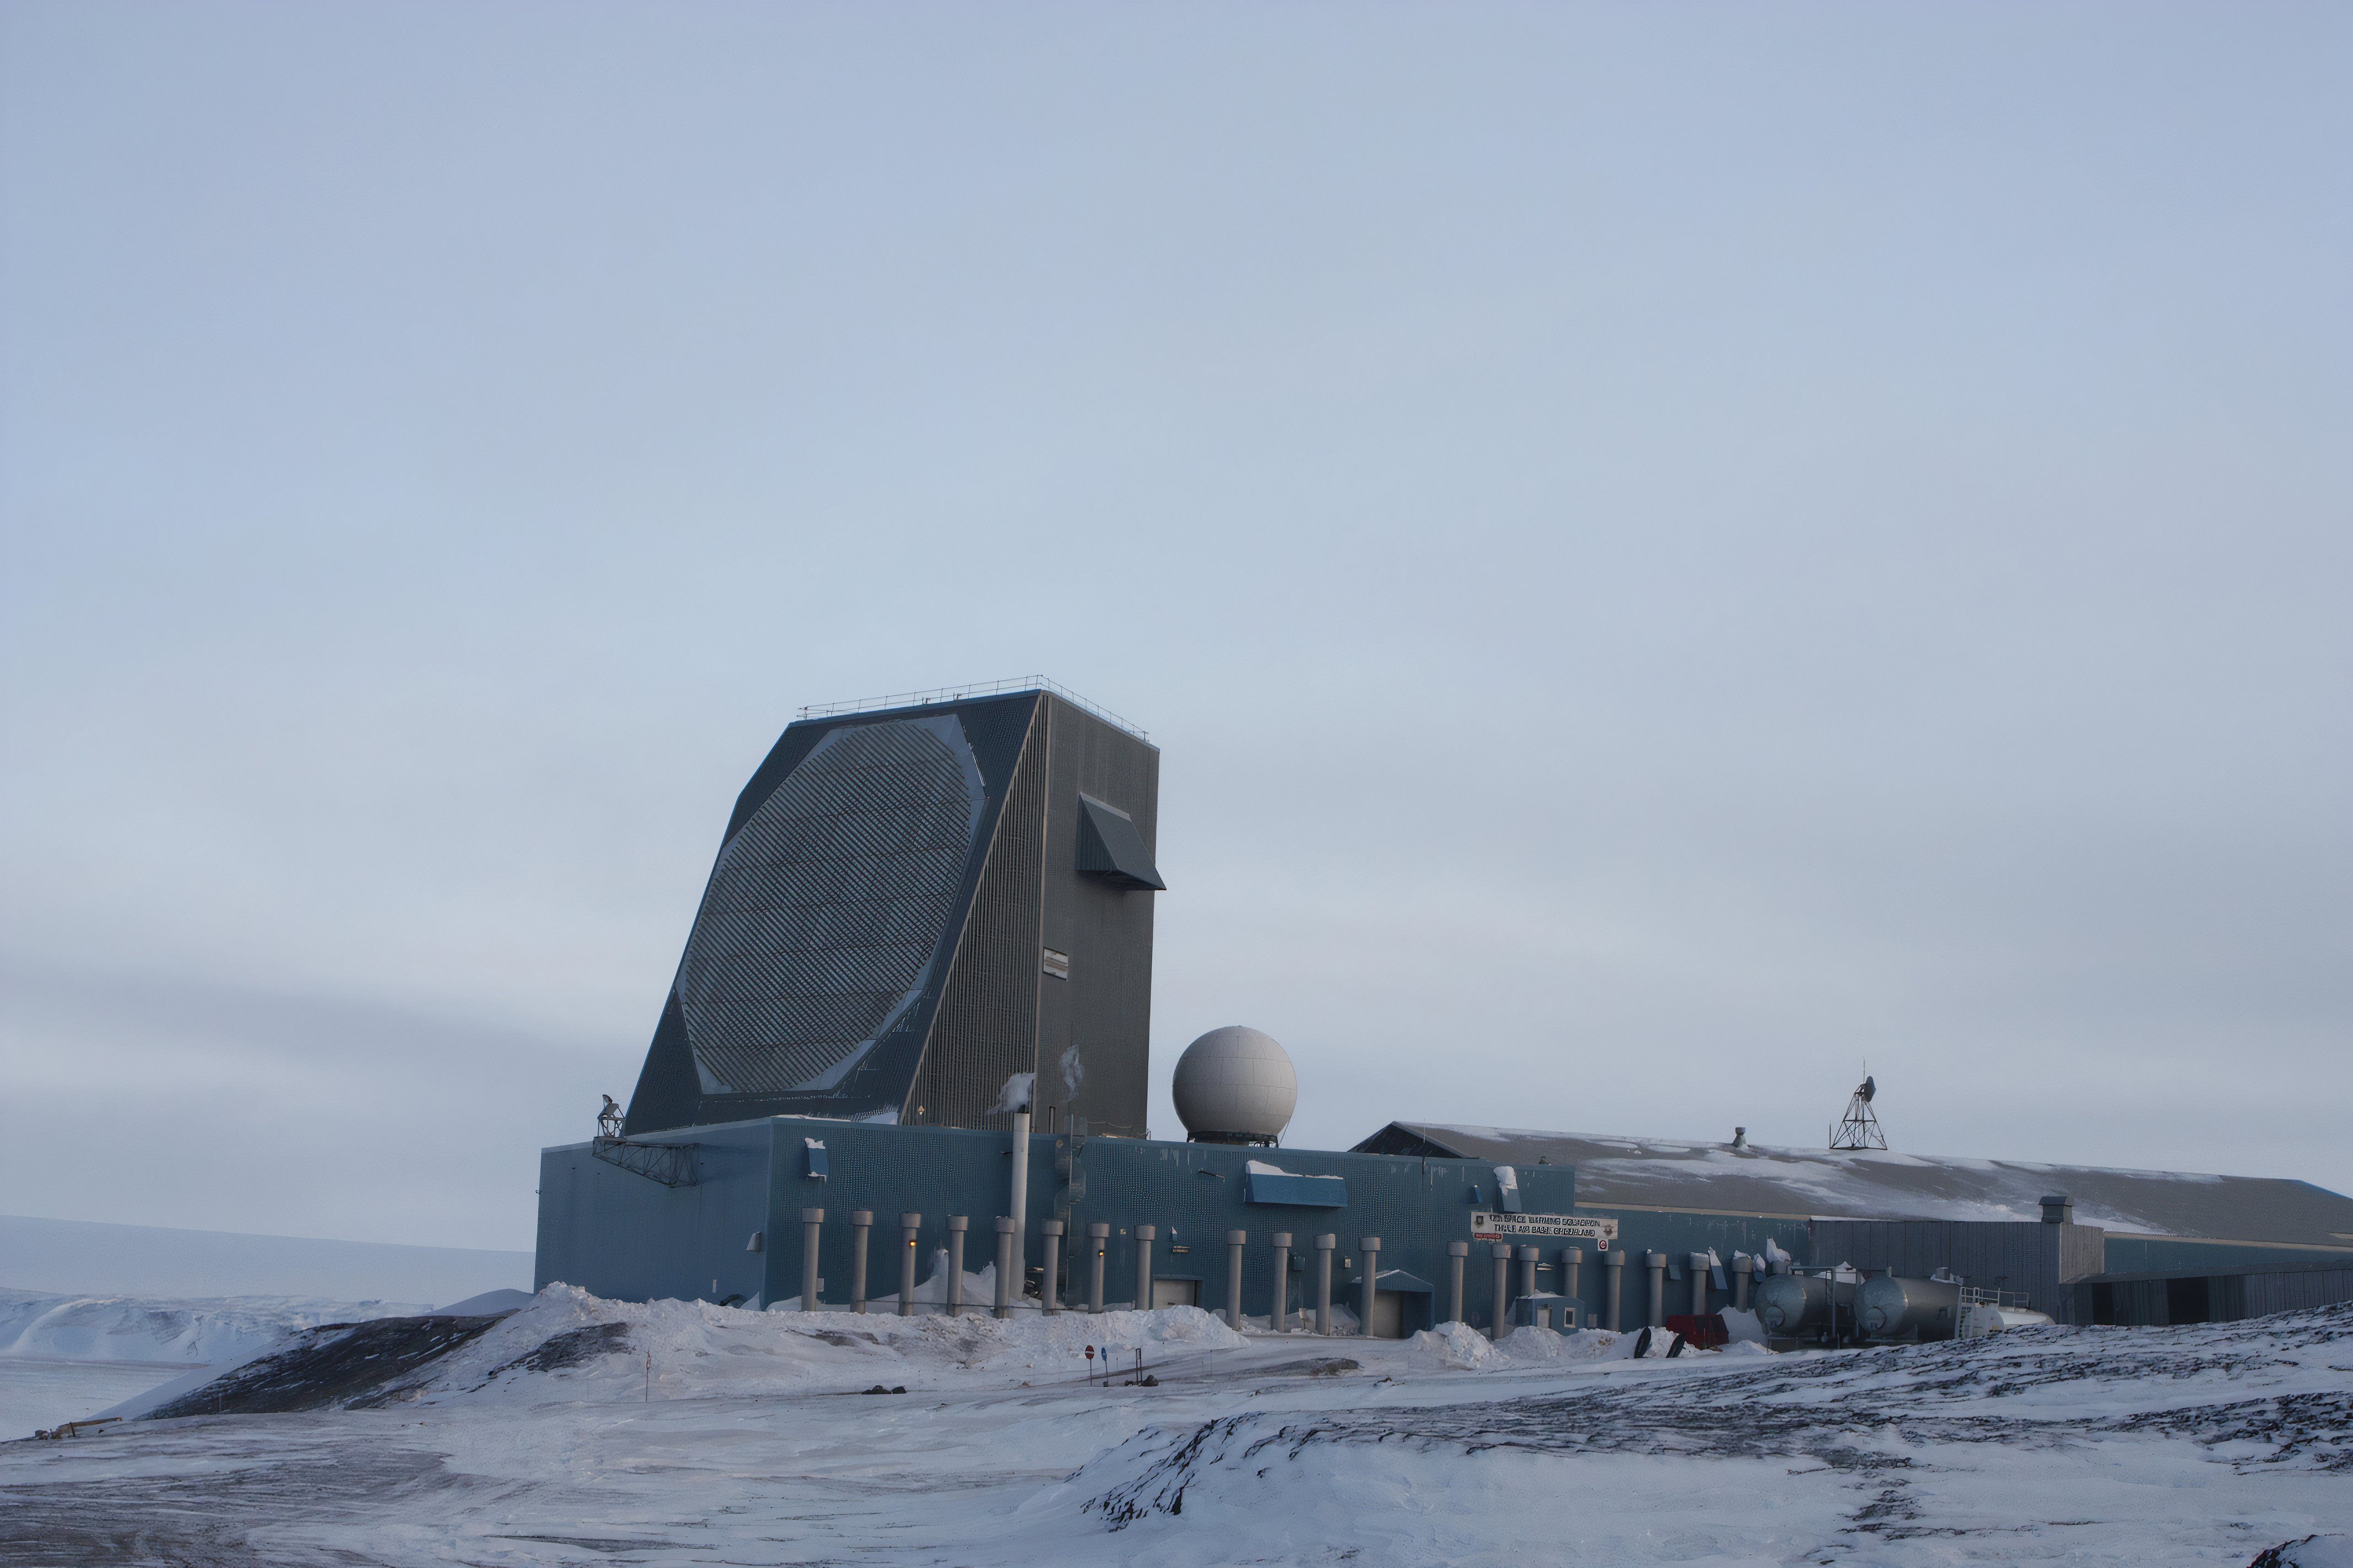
1236 1086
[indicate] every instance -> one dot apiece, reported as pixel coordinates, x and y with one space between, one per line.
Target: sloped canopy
1112 850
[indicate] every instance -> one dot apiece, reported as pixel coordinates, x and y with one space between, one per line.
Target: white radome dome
1235 1085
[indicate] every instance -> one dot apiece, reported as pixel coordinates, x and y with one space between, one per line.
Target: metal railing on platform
671 1165
959 693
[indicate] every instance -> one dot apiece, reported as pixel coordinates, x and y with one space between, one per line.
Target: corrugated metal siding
2083 1249
1096 1027
1195 1193
2287 1291
2155 1301
935 1171
2182 1255
987 1027
1677 1236
622 1236
631 1234
2028 1257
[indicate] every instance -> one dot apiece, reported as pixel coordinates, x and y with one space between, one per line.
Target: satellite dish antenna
1859 1128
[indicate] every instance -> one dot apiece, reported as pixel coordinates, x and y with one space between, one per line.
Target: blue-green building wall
622 1235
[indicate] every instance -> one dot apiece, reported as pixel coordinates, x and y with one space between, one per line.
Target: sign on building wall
1488 1226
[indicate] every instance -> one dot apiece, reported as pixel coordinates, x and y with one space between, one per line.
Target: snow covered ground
577 1430
35 1395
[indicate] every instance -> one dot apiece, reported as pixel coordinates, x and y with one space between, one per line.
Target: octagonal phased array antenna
1859 1129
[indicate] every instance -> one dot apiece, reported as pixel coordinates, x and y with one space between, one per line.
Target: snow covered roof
1878 1184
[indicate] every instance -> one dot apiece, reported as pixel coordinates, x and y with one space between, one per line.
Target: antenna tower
1859 1129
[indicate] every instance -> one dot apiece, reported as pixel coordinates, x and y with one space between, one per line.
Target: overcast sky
1669 550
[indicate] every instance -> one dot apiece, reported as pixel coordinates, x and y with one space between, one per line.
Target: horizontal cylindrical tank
1993 1319
1892 1309
1795 1306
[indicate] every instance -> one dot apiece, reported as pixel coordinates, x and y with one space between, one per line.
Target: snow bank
1451 1347
41 1327
1460 1347
1743 1327
569 1345
979 1291
2312 1551
485 1304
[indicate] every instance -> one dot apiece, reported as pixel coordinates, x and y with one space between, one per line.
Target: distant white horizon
97 1258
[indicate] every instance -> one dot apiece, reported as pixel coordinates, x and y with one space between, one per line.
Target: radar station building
918 904
912 904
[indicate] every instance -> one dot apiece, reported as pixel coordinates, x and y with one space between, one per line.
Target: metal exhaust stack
1050 1287
1281 1319
1146 1235
1097 1240
812 1223
1235 1241
1019 1208
862 1220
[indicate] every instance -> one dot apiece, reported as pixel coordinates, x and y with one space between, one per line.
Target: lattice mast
1859 1129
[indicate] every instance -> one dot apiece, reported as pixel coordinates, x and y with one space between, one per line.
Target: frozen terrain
65 1356
576 1430
90 1313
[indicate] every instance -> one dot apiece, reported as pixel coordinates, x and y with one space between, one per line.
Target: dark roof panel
1878 1184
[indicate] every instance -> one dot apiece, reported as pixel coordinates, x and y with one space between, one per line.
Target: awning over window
1405 1284
1298 1191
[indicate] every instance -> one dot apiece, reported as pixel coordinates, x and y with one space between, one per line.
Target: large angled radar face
826 912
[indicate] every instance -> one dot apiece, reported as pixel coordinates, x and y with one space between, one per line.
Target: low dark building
2045 1233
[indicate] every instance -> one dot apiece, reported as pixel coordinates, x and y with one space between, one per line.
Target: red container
1705 1333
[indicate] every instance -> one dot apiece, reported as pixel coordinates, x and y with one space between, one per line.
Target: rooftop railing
960 693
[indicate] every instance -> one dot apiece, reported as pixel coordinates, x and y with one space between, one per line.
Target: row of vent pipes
1501 1254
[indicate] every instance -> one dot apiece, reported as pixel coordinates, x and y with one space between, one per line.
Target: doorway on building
1176 1293
1398 1314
